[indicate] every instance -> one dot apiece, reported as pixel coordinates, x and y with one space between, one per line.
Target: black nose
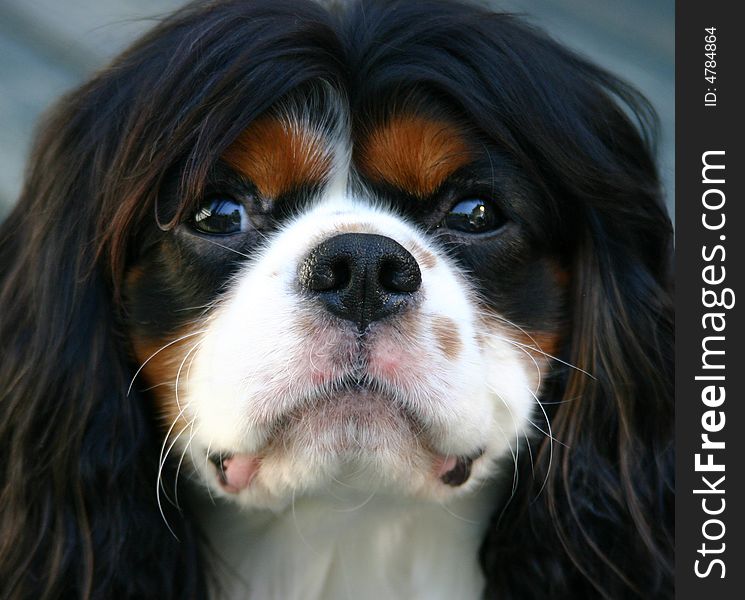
361 277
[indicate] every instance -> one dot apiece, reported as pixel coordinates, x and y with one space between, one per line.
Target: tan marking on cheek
133 277
537 343
447 336
160 370
533 347
278 156
539 348
540 343
413 153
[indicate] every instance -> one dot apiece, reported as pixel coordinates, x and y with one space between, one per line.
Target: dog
365 300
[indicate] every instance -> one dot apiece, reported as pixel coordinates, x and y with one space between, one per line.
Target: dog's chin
362 439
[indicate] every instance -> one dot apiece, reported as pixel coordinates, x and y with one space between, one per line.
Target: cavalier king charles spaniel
364 300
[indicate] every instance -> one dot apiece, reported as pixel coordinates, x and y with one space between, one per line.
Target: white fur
256 363
350 545
268 350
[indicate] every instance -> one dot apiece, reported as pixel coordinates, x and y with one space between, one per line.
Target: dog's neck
349 545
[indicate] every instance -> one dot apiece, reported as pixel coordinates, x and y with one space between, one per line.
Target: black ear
594 517
78 459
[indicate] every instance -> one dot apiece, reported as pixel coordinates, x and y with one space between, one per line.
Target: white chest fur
347 545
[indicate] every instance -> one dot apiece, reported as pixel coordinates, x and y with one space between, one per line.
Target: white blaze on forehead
270 347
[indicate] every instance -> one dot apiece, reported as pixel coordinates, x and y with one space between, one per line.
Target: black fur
121 163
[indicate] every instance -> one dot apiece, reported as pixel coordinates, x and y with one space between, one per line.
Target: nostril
342 273
397 274
335 276
360 277
326 274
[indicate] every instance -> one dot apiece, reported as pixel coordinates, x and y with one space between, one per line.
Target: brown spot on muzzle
413 153
447 336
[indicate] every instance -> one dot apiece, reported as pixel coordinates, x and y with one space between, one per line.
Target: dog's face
365 302
405 246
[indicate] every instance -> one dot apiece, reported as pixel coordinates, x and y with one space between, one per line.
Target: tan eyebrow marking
279 154
414 153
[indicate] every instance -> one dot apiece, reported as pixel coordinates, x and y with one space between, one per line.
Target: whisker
539 374
536 346
181 460
225 247
557 359
514 478
206 466
159 484
154 354
516 453
181 366
164 459
530 453
297 525
550 447
359 506
455 515
548 435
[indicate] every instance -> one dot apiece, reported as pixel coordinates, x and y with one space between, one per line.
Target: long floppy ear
78 454
610 492
593 517
595 514
79 461
598 520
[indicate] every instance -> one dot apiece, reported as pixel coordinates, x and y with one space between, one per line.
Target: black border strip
700 128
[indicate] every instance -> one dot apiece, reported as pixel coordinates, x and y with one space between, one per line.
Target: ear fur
79 459
78 454
594 516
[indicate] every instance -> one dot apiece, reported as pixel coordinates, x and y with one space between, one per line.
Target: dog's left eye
220 216
474 215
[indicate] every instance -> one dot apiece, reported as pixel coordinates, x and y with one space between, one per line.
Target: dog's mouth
235 472
354 419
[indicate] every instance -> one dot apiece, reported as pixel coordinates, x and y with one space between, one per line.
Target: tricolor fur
189 411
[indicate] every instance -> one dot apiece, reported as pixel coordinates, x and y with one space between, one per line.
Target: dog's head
356 290
393 245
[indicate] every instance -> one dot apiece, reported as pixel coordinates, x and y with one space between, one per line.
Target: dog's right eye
220 216
474 215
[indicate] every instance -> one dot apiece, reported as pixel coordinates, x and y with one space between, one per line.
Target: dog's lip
455 470
360 389
235 471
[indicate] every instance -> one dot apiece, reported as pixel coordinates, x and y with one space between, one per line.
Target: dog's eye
474 215
220 216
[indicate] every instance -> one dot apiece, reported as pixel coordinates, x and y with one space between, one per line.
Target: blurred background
49 46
